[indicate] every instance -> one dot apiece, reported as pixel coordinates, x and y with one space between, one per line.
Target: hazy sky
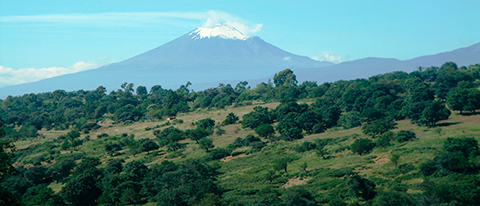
40 39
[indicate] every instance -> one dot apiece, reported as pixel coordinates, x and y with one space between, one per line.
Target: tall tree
285 78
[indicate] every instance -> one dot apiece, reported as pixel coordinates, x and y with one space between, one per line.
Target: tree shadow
446 124
469 113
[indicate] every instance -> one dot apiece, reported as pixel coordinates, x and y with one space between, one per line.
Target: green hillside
394 139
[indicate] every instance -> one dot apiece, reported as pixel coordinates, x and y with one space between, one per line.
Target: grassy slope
246 175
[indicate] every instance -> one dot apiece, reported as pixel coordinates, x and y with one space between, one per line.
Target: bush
305 146
350 120
405 135
384 140
362 146
217 154
264 130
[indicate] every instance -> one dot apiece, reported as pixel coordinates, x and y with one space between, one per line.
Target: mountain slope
202 56
364 68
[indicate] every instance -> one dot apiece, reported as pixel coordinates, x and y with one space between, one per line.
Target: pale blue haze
343 30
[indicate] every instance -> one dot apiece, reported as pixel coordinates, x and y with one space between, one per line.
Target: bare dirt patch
227 159
381 159
295 182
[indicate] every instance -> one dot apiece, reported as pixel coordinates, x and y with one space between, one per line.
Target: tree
362 146
298 197
405 135
141 90
265 130
206 123
350 120
281 164
112 148
394 158
220 131
304 167
270 176
434 112
361 187
259 116
230 119
289 128
148 145
6 157
321 151
197 134
81 190
285 78
6 169
378 126
206 143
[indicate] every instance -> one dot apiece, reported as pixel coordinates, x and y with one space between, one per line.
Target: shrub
264 130
305 146
405 135
384 140
362 146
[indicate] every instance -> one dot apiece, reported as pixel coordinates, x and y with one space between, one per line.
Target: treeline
418 96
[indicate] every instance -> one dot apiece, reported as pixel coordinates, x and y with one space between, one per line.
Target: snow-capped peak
219 30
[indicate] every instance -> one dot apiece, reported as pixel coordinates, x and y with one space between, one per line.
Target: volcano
203 56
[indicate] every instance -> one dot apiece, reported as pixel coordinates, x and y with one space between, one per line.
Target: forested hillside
393 139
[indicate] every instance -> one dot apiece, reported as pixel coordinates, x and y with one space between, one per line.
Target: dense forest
283 126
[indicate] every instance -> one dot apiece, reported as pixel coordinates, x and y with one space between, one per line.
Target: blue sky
41 39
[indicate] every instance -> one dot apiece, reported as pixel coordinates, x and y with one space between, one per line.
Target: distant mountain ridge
367 67
202 56
222 54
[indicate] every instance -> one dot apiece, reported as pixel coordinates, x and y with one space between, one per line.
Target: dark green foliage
394 198
135 171
206 123
183 184
112 148
298 197
220 131
305 146
378 127
259 116
169 135
206 143
216 154
405 135
6 157
249 141
362 146
230 119
361 187
197 134
148 145
385 139
454 189
62 168
289 129
81 189
428 168
174 146
281 164
434 112
285 78
466 146
350 120
265 130
458 157
114 166
38 174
